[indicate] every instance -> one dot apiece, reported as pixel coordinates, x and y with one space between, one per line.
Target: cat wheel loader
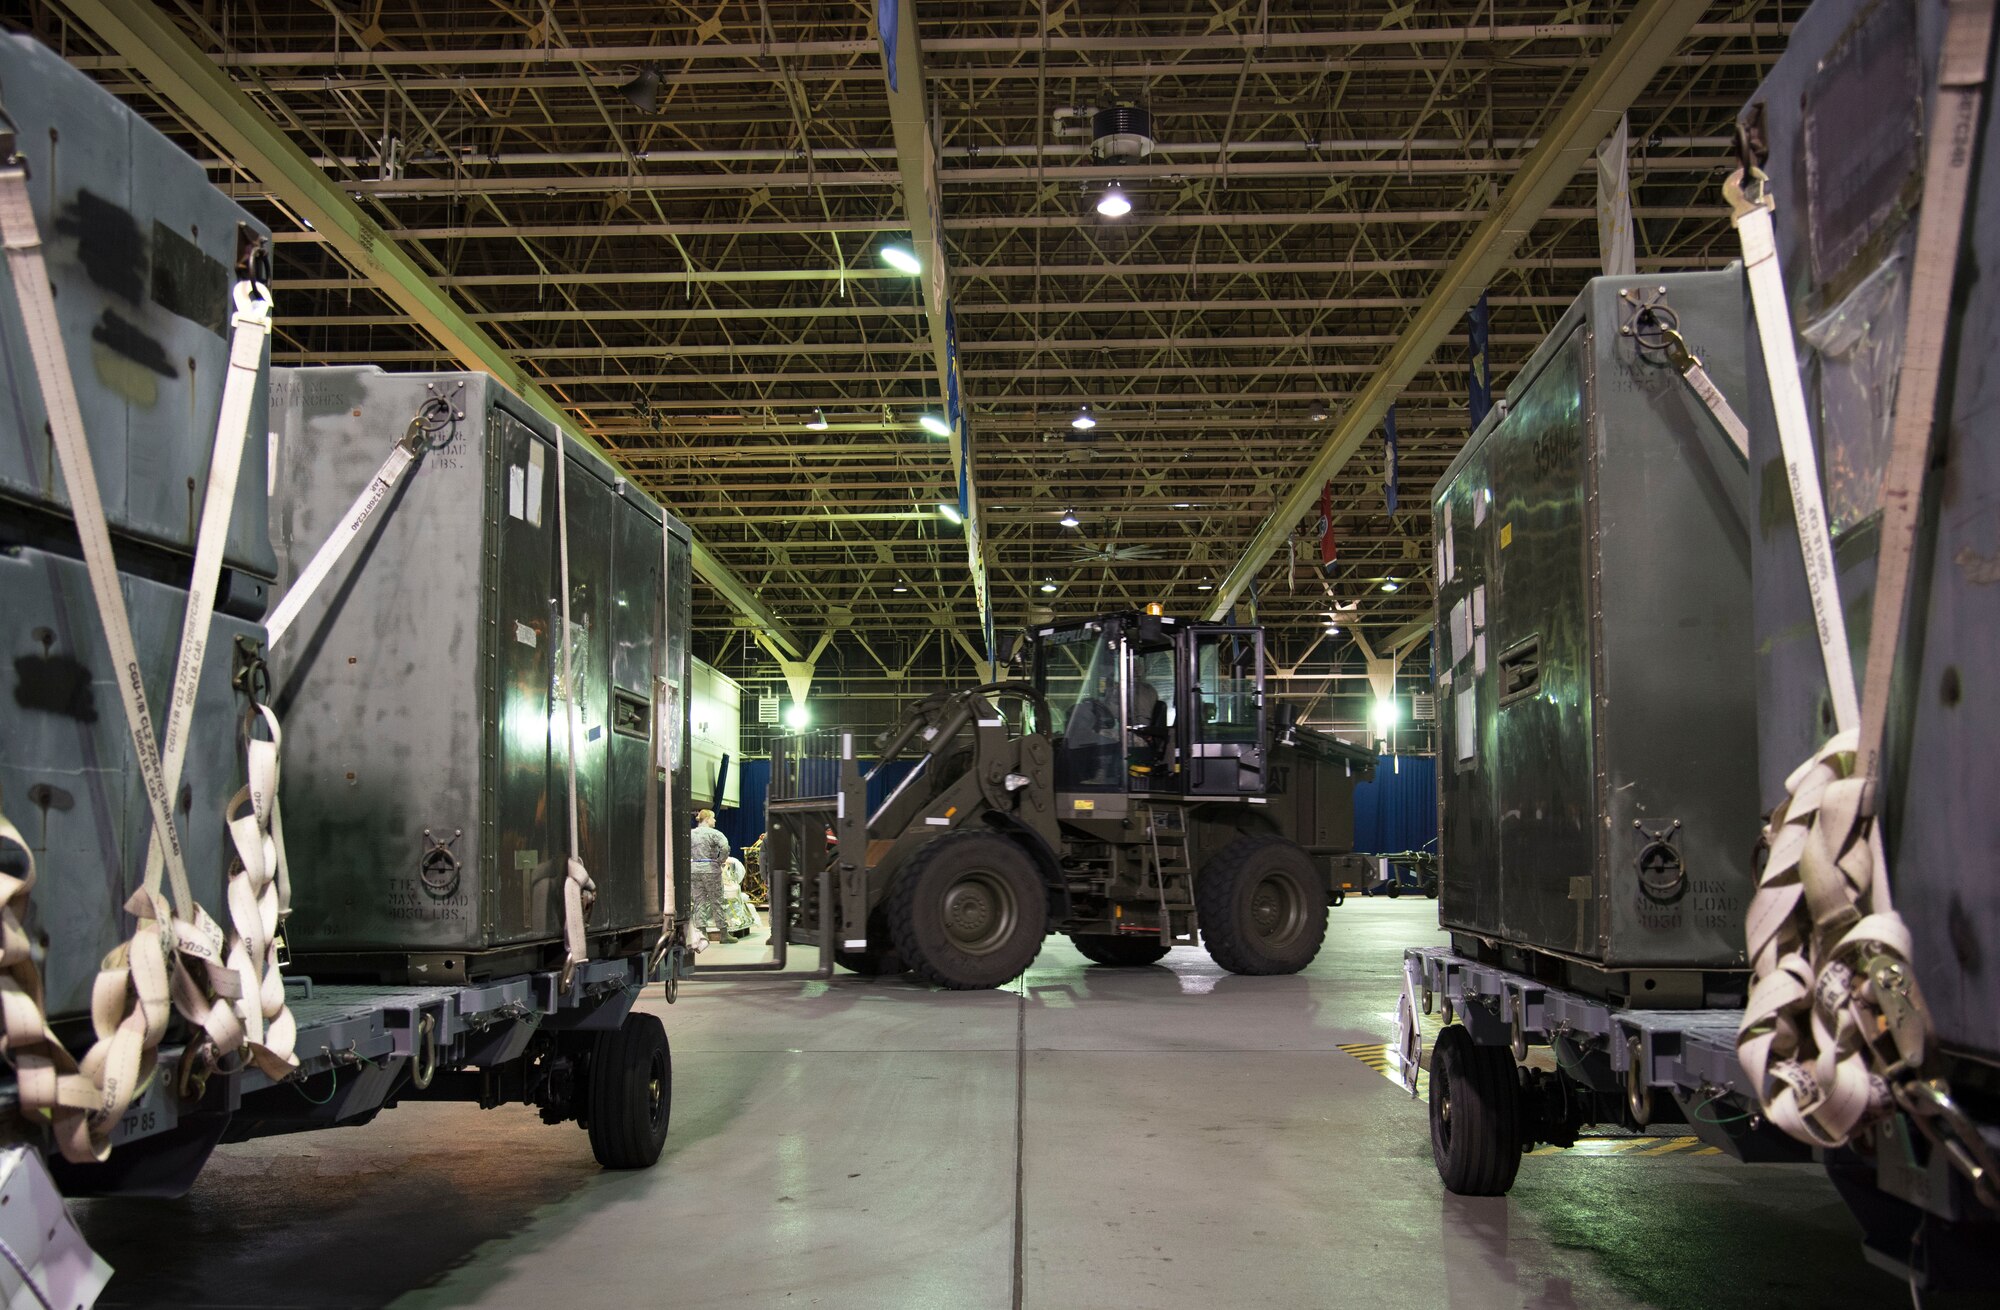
1133 791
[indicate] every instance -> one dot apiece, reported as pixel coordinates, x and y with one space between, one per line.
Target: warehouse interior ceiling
671 215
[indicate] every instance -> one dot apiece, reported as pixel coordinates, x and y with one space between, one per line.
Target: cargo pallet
577 1052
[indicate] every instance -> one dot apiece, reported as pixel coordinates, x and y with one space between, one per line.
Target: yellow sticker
1086 805
1506 535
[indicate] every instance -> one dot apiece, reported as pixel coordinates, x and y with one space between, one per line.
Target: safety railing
806 765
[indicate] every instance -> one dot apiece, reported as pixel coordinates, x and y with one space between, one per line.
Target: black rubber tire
1393 890
1118 952
998 911
870 964
1476 1138
1339 899
1431 892
631 1093
1262 902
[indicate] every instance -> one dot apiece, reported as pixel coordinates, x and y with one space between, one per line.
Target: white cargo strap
401 456
41 1063
129 1002
1836 1032
578 890
1689 366
666 952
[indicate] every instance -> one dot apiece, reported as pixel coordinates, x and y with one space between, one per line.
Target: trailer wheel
1118 952
1475 1115
1262 905
631 1093
969 911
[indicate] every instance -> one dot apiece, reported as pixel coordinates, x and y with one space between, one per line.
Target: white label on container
1480 499
535 461
524 634
1479 607
1479 653
1467 725
271 465
1461 634
517 491
1450 559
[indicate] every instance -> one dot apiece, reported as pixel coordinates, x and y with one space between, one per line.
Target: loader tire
1476 1139
1118 952
969 911
1262 903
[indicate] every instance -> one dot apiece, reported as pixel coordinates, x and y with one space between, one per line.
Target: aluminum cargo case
1844 114
143 253
1593 670
424 785
68 777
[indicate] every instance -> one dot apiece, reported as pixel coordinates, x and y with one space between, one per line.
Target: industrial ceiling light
1385 716
797 717
818 422
1069 519
1048 587
643 91
935 425
1113 203
902 259
950 512
899 588
1205 586
1084 420
1320 414
1390 585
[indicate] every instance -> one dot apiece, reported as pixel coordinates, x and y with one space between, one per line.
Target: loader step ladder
1166 833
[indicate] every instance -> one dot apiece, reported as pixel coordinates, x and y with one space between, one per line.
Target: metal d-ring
1638 1096
424 1059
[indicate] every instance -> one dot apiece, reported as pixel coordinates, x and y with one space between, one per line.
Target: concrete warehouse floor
1099 1138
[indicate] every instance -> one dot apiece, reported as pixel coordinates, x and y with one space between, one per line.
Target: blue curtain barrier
1398 811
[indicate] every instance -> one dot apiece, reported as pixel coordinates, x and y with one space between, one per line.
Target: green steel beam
1644 42
173 67
916 161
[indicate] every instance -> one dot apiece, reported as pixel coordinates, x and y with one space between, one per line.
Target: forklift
1133 792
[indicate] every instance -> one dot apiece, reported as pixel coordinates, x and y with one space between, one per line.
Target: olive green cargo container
424 787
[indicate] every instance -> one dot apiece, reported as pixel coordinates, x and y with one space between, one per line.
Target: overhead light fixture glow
1048 587
1183 504
1084 420
818 421
1113 203
1319 414
902 259
899 588
935 425
950 512
797 717
1390 585
1385 715
1068 519
1205 586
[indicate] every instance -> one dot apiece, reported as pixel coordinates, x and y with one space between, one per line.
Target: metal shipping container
67 772
424 786
1597 744
143 255
1844 114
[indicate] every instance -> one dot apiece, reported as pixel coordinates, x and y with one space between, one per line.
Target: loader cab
1151 704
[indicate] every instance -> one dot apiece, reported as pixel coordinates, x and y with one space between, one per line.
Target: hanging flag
1615 238
886 12
1479 382
1329 548
1389 465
